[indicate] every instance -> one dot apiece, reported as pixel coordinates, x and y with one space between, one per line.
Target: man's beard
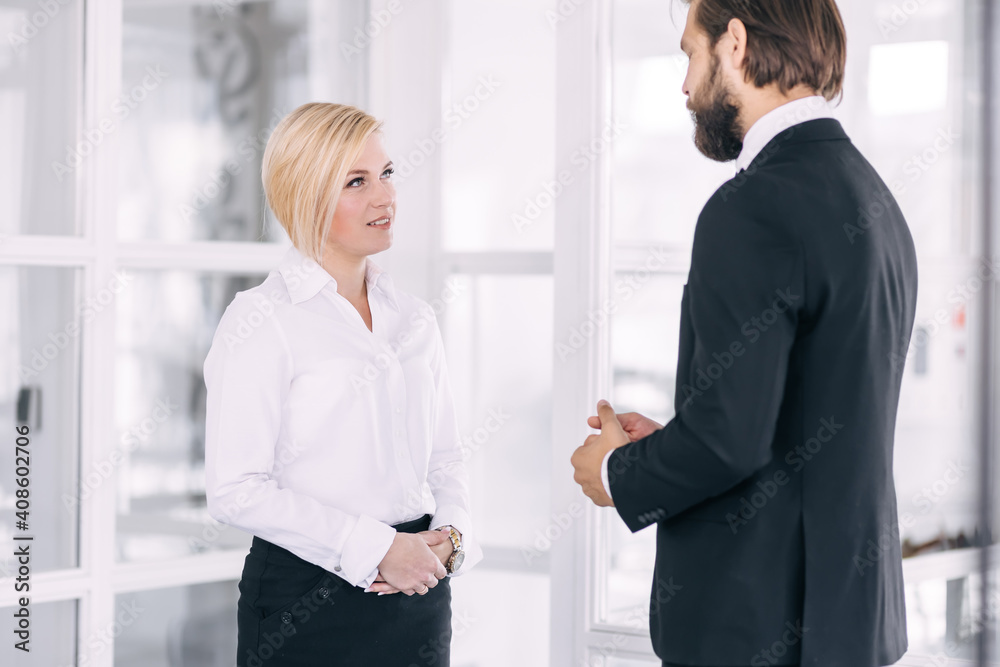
717 132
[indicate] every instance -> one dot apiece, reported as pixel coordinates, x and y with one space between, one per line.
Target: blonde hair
305 162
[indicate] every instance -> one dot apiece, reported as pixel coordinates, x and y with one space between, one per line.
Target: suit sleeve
743 300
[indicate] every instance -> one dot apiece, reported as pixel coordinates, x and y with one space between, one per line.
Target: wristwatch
457 555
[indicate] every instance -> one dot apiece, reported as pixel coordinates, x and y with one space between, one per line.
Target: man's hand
410 566
587 459
636 426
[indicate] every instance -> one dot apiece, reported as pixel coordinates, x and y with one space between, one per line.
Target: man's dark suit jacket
772 489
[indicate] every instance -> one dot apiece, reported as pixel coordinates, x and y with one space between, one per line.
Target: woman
331 431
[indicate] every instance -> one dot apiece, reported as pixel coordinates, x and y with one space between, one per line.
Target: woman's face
367 197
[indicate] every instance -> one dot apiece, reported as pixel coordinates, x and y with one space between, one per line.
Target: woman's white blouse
321 433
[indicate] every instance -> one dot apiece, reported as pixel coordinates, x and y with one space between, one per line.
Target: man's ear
735 44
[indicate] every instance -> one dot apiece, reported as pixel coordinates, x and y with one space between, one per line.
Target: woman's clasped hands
414 563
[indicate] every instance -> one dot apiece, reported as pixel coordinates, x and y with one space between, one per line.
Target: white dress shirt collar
305 278
777 121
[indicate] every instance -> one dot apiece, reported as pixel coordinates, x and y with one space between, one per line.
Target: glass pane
499 152
501 370
39 106
659 179
42 312
904 106
51 635
936 452
644 341
205 83
946 618
489 609
194 626
166 321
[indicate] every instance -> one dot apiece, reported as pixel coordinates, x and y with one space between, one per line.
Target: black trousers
292 613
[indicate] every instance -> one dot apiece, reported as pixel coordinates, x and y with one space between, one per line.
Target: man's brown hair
789 42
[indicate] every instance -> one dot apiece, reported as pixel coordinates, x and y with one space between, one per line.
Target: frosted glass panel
498 149
497 336
51 638
43 156
189 626
207 82
166 321
42 310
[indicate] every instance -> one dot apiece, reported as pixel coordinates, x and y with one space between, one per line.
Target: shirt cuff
604 474
365 548
459 518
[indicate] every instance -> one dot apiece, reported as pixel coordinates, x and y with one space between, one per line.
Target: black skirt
292 613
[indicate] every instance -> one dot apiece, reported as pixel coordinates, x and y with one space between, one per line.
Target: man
771 488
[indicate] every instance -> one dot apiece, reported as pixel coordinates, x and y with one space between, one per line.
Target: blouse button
286 617
336 568
324 592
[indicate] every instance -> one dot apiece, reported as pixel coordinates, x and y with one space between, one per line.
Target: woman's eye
388 172
357 181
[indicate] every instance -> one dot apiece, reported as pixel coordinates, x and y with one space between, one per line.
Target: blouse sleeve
248 373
